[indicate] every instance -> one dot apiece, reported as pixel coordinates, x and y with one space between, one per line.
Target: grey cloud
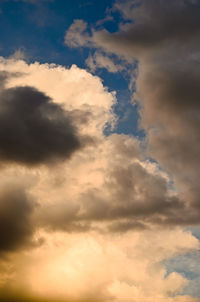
130 198
63 216
172 117
130 193
33 129
100 60
168 87
77 35
127 225
176 24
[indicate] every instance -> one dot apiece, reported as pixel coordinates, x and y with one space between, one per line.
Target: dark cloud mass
176 23
8 294
168 86
33 129
16 228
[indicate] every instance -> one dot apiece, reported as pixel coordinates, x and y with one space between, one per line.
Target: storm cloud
33 129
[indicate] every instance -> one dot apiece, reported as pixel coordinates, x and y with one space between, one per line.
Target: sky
99 151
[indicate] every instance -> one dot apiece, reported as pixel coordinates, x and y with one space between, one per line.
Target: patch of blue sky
188 266
195 230
127 116
126 111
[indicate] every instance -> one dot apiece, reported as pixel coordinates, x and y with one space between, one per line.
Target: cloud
120 266
19 54
34 130
81 94
16 209
77 35
175 23
98 192
99 60
113 198
10 295
107 214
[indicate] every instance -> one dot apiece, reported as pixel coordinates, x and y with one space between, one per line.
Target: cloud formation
107 207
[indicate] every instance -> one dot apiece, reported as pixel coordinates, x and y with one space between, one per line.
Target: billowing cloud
93 190
86 205
112 209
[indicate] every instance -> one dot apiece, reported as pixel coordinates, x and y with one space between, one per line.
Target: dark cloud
16 228
9 295
176 24
168 87
176 21
33 129
13 294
